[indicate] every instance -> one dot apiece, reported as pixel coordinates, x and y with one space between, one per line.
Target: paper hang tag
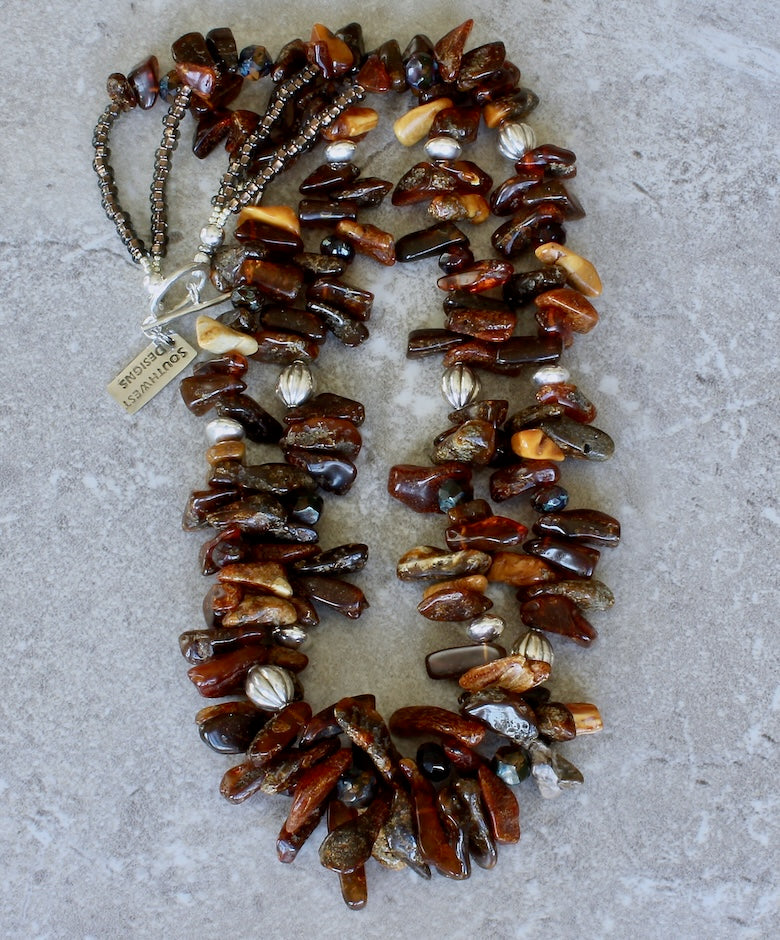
150 371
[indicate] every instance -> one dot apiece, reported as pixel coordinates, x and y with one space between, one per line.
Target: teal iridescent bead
550 499
452 492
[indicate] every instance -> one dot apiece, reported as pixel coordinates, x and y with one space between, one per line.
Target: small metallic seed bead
224 429
211 236
340 151
485 628
459 385
550 375
443 148
515 139
293 637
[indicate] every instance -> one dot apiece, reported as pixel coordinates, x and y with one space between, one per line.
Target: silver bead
295 384
486 628
294 637
553 774
515 139
224 429
340 151
443 148
270 687
534 645
550 375
211 236
459 385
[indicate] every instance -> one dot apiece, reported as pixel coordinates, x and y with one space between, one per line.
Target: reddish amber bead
242 124
224 549
327 177
354 889
485 325
452 604
229 363
314 786
369 240
555 161
225 675
456 258
352 300
221 43
507 198
508 357
555 193
487 535
462 123
434 844
426 180
213 127
522 477
557 614
515 106
479 64
576 311
280 731
429 719
583 525
530 228
278 281
449 50
373 75
501 805
418 487
202 502
331 54
573 558
195 65
284 348
144 78
470 511
570 398
390 55
521 570
201 392
328 405
482 276
273 237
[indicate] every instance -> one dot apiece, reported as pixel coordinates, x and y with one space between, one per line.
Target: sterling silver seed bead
443 148
515 139
223 429
550 375
459 385
486 628
295 385
340 151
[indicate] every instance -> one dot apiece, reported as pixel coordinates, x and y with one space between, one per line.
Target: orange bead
534 444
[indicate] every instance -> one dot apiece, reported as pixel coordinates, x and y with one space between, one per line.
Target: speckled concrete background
110 820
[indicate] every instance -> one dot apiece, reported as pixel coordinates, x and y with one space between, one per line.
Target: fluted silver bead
340 151
515 139
459 385
270 687
295 385
486 628
443 148
224 429
550 375
534 645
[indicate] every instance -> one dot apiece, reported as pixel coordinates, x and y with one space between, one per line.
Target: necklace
455 802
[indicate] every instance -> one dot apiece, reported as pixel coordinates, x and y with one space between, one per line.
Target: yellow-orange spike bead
534 444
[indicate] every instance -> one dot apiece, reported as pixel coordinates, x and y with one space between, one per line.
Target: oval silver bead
270 687
443 148
295 384
211 236
459 385
293 637
224 429
534 645
340 151
485 628
515 139
550 375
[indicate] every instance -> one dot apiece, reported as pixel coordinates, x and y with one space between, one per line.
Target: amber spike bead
418 487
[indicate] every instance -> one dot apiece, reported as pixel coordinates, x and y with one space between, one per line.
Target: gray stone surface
111 824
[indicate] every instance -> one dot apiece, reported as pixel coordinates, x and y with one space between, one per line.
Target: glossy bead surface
486 628
452 662
554 161
448 604
511 673
487 535
368 240
433 762
520 570
414 125
443 148
271 688
511 765
419 487
460 386
345 598
295 384
430 242
584 525
472 442
485 325
558 614
326 404
549 499
482 276
579 440
332 473
579 271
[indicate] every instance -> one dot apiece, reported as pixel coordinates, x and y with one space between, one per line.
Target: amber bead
278 281
507 198
226 548
327 177
456 822
471 582
314 786
557 614
354 889
283 348
455 259
556 722
485 325
486 409
199 646
482 276
373 75
258 425
524 286
508 357
554 161
429 719
500 84
229 363
390 56
144 79
366 193
579 313
429 242
261 609
449 50
352 123
201 392
533 444
574 404
287 320
342 325
487 535
501 806
328 405
368 240
521 570
265 576
554 192
335 474
292 58
228 728
449 604
428 342
451 663
364 726
472 442
203 502
225 675
418 487
511 673
316 265
426 180
352 34
278 733
240 782
213 127
195 65
343 597
471 511
528 229
226 264
323 434
481 844
461 123
278 479
329 53
569 556
427 563
513 107
582 525
479 64
288 844
121 92
277 240
452 207
354 301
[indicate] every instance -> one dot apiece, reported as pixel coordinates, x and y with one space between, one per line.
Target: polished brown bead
451 663
199 646
353 123
529 229
426 180
328 405
276 239
288 844
449 50
327 177
569 556
418 487
314 787
292 58
479 64
508 357
482 276
241 782
224 549
461 123
452 207
368 240
329 53
283 348
582 525
144 79
213 127
473 442
195 65
532 417
578 312
390 56
456 823
352 34
557 614
267 577
335 474
511 673
481 844
486 409
485 325
344 326
570 399
513 107
259 426
278 733
226 264
507 198
228 728
373 75
554 161
471 582
288 320
278 281
554 192
524 286
583 441
343 597
284 553
471 511
354 301
502 82
435 848
426 563
220 600
487 535
428 342
324 435
200 392
229 363
259 609
520 570
279 479
242 123
225 675
556 722
316 265
501 806
429 719
448 604
587 595
429 242
367 192
261 514
456 259
352 873
364 726
343 559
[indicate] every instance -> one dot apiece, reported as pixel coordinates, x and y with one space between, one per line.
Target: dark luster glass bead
254 62
433 762
336 474
421 71
338 247
522 287
356 786
329 176
294 321
307 508
430 241
550 499
145 81
221 44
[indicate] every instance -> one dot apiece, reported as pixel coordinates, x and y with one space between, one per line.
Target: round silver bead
224 429
485 628
211 236
295 385
459 385
534 645
550 375
515 139
270 687
443 148
294 637
340 151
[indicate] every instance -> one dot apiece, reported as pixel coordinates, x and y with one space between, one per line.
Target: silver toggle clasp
177 296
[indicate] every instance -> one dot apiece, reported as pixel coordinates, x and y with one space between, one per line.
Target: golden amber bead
473 582
587 718
579 271
534 444
368 240
226 450
453 207
354 122
521 570
284 217
411 127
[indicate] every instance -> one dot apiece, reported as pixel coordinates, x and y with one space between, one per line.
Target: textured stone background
110 820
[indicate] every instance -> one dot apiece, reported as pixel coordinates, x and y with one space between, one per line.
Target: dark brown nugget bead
288 844
481 844
282 774
452 662
225 675
229 727
434 845
556 722
201 392
429 242
579 440
400 836
428 342
418 487
569 556
327 405
340 595
329 176
203 502
486 535
486 325
198 646
343 559
501 805
241 782
348 846
324 724
324 435
314 787
454 605
429 719
522 477
582 525
354 889
473 442
332 473
280 731
558 614
279 479
365 727
456 821
354 301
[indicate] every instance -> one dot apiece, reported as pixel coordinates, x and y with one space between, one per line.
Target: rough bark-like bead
554 161
588 595
344 326
472 442
366 729
279 479
266 576
426 563
259 610
326 404
569 556
121 91
343 559
429 719
324 435
556 722
418 487
521 570
557 614
506 714
426 180
485 325
511 673
452 605
324 724
430 241
471 207
451 663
